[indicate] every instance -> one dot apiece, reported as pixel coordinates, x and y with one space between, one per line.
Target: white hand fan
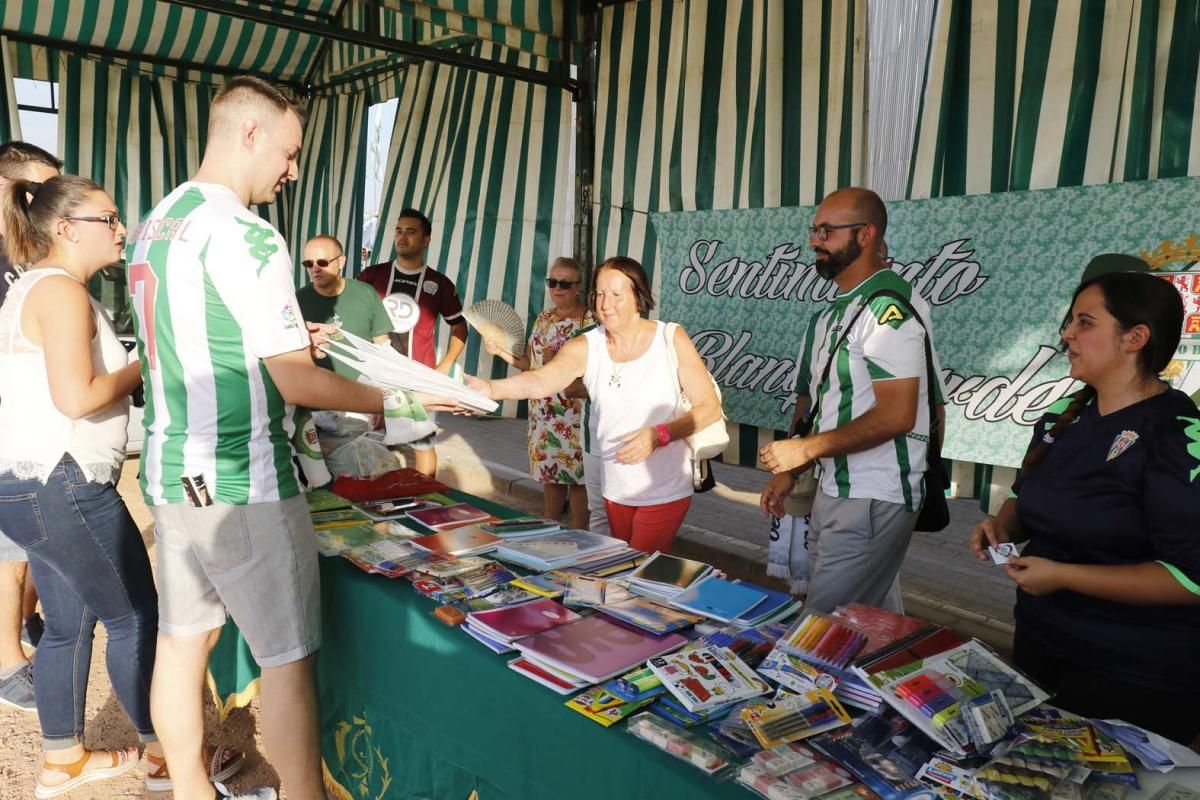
403 311
383 366
500 322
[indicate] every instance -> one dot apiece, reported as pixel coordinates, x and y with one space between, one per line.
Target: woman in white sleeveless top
62 441
634 427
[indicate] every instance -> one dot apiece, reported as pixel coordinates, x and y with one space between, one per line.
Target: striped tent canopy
289 41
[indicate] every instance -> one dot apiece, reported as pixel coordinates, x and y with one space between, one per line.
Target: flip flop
122 761
223 763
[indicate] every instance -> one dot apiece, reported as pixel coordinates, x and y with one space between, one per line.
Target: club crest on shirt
431 287
288 316
1122 443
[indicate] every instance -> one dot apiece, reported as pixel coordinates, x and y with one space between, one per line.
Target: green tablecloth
413 709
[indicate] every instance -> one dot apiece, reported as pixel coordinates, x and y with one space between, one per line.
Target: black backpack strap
804 427
934 426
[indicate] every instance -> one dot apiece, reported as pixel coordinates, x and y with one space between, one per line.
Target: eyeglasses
554 284
320 262
111 220
822 231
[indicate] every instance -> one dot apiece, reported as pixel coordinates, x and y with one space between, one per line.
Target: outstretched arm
568 365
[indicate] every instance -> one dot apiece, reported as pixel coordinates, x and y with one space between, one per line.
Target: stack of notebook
521 527
719 599
593 649
650 616
441 518
662 577
558 550
500 628
776 606
469 540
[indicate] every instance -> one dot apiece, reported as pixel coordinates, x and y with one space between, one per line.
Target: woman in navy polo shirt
1108 499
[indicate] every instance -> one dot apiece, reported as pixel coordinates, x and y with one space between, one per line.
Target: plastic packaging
701 753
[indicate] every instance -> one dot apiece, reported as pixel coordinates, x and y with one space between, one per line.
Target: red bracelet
664 436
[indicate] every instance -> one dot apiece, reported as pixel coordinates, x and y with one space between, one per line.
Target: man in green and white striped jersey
871 427
226 358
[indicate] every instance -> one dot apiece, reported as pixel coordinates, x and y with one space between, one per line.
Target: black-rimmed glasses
556 284
822 231
111 220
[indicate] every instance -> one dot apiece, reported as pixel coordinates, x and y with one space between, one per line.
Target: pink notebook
526 619
445 517
597 648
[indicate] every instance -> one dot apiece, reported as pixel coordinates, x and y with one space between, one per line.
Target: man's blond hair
245 96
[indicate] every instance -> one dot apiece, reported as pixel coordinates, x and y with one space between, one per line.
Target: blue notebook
774 601
719 599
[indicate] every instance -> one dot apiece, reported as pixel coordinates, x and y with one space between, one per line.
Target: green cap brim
1113 262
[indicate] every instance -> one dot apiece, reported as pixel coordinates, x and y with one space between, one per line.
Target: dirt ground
107 725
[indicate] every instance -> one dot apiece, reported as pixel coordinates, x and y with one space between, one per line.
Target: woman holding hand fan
555 422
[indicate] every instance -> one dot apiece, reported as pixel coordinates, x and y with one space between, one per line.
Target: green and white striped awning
711 104
296 48
1022 95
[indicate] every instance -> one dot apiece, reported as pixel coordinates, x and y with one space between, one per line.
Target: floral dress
555 422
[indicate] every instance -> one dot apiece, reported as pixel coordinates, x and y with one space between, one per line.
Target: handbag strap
673 358
804 427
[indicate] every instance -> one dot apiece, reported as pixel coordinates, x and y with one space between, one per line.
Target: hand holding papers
384 367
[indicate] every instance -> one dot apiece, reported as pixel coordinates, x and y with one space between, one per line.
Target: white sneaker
261 793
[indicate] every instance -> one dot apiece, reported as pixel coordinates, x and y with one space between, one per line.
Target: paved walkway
941 580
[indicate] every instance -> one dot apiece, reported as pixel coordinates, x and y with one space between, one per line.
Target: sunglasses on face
554 284
320 262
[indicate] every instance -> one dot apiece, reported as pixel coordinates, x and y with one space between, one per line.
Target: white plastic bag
361 457
787 551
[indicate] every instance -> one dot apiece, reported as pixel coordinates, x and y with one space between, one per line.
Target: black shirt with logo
1119 489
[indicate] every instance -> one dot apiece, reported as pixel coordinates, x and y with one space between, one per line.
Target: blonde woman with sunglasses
556 422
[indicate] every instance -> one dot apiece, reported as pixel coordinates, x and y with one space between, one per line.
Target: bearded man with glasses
862 371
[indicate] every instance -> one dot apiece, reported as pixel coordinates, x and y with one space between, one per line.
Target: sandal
223 763
122 762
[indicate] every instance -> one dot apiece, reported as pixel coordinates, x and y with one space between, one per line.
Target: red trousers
647 528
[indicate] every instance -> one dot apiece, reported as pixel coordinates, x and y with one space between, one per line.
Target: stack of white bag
383 366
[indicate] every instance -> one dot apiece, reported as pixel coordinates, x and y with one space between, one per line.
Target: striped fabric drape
137 135
140 135
528 26
711 104
169 30
10 117
1023 95
485 158
328 195
1028 95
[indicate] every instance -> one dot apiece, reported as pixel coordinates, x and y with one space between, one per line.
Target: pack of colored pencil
824 640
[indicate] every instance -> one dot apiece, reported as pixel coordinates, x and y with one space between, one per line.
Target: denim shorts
259 561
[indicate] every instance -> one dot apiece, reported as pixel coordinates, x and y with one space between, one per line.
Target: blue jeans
89 563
